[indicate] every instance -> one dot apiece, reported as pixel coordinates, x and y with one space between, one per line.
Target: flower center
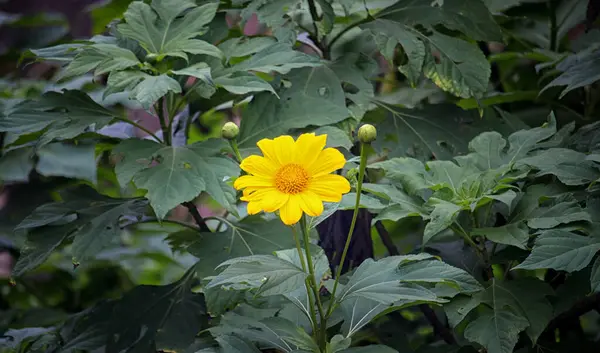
291 179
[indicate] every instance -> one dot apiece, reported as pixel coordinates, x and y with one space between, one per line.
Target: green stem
311 304
553 25
131 122
315 17
160 110
313 281
361 175
236 151
345 30
481 252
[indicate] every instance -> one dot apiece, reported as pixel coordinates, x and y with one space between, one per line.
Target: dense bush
407 176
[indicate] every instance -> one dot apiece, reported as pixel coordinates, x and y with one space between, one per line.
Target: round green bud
230 131
367 133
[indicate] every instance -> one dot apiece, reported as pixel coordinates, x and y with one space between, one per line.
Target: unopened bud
352 176
367 133
230 131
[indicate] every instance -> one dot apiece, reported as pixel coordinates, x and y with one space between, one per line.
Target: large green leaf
157 317
577 70
315 98
374 348
278 57
62 116
401 204
569 166
515 234
436 131
251 236
166 27
144 88
243 83
443 215
559 213
92 222
101 58
561 250
497 331
173 175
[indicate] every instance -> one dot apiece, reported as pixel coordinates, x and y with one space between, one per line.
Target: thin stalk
345 30
481 253
160 110
131 122
236 151
361 176
553 25
311 304
313 280
315 17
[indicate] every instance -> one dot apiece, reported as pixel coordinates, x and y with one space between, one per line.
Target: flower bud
352 176
367 133
230 131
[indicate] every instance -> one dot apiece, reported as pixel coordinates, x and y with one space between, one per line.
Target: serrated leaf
38 247
374 348
71 161
560 213
443 215
243 46
515 234
335 137
561 250
250 236
273 275
278 57
269 12
165 317
470 17
232 344
577 70
243 83
166 27
100 58
459 307
150 89
498 332
437 272
400 202
92 222
16 165
62 116
173 175
199 70
315 98
569 166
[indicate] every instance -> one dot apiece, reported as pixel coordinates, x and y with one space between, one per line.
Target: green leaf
232 344
459 307
278 57
101 58
243 83
166 317
38 247
595 276
144 88
437 272
92 222
243 46
269 12
437 131
62 116
315 98
335 137
250 236
497 331
577 70
401 204
561 250
173 175
199 70
470 17
569 166
163 28
271 332
270 274
560 213
409 172
71 161
16 165
374 348
515 234
443 215
525 296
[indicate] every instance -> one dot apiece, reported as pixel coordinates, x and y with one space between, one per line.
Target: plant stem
553 25
313 282
311 304
236 151
131 122
482 254
164 125
361 175
196 215
315 17
345 30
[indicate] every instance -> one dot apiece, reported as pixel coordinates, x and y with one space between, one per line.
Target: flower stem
236 151
313 282
311 304
361 175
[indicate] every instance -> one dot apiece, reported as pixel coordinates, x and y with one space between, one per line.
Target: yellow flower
292 177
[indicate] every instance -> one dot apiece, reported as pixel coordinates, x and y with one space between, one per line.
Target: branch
438 327
386 239
196 215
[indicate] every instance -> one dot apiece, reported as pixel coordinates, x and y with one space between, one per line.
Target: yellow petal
330 187
259 166
273 200
329 160
280 150
257 194
251 181
291 212
308 147
254 208
310 203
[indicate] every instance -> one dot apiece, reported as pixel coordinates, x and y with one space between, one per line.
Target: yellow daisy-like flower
292 177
